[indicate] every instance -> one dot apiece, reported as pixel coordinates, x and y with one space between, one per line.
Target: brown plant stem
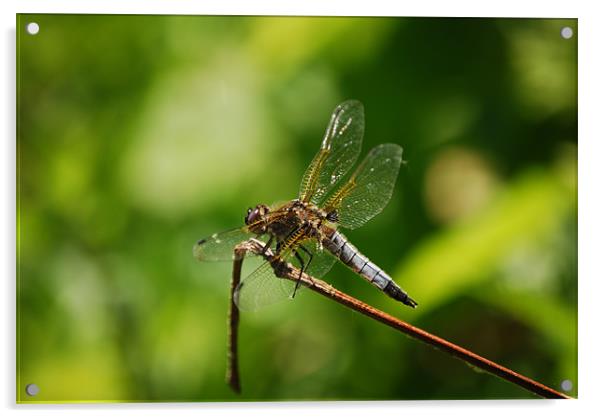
288 272
232 373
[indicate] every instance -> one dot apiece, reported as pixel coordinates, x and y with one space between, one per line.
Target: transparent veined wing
321 261
220 246
262 288
369 189
338 153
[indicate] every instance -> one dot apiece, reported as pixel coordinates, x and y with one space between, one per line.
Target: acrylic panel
139 137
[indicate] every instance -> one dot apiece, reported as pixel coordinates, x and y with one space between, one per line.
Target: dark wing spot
333 216
201 242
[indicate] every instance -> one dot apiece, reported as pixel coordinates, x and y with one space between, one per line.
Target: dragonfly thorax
285 219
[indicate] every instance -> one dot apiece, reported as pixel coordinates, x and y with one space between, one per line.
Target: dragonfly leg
267 244
304 265
301 270
311 257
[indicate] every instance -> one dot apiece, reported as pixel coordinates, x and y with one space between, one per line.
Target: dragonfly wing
262 288
339 151
369 189
220 246
321 261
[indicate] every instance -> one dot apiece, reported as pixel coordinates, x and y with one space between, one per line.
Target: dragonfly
305 231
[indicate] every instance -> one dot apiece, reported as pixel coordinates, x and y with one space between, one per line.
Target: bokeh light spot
458 183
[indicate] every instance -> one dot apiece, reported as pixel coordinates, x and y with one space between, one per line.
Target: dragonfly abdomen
338 245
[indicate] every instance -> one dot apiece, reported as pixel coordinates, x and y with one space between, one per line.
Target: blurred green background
138 135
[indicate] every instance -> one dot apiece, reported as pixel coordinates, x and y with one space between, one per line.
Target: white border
519 8
590 209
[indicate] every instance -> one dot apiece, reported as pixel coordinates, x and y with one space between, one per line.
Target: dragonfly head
257 214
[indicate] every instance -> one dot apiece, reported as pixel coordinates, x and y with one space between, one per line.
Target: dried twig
232 373
288 272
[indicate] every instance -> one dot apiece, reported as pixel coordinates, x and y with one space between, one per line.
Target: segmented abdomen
338 245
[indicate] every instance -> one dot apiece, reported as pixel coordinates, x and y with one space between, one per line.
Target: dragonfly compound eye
254 215
251 215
